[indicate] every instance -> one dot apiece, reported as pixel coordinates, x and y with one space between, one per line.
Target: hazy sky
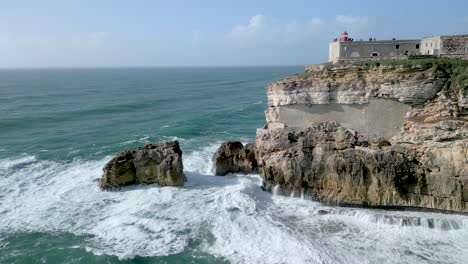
96 33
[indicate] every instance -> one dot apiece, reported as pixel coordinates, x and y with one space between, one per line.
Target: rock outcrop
424 163
234 157
153 163
357 84
333 163
385 134
369 98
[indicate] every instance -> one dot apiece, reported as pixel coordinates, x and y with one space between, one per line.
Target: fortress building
347 49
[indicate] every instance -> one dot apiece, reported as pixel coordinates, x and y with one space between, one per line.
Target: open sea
58 127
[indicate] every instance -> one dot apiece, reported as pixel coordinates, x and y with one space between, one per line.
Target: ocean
58 127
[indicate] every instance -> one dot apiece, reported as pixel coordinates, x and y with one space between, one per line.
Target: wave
228 217
199 161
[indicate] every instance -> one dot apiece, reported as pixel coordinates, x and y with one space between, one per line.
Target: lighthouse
344 37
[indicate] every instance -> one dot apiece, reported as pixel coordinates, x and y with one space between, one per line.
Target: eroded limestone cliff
412 152
378 134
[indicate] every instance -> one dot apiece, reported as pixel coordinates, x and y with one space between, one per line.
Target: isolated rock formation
234 157
153 163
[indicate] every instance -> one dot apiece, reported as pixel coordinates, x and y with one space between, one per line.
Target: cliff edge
379 133
389 133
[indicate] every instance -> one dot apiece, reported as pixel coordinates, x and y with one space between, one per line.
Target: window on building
397 46
375 54
426 45
417 46
406 53
431 44
466 49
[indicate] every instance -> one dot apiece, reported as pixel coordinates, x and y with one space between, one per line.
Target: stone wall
373 49
444 46
454 46
334 52
430 46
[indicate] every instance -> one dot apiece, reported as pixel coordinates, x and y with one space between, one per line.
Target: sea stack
153 163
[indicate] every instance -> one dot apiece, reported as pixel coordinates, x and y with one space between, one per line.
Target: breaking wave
228 217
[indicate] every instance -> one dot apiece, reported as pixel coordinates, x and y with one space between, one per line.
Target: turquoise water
58 127
90 113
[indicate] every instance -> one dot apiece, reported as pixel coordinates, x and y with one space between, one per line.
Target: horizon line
147 67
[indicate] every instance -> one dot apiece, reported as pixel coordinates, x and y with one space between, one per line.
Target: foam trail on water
9 163
229 216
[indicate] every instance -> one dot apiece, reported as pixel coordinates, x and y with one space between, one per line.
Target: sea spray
292 194
276 190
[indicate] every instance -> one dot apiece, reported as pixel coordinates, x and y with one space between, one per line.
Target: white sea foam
200 161
229 216
11 162
142 140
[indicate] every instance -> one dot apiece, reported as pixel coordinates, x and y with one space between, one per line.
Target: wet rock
153 163
234 157
334 164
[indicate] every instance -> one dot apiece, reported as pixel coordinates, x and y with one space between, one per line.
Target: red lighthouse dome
344 37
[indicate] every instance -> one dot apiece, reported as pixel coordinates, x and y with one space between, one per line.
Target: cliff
385 134
391 133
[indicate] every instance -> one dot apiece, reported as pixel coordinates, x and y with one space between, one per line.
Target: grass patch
454 70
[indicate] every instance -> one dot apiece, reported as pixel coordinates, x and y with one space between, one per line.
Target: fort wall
440 46
454 46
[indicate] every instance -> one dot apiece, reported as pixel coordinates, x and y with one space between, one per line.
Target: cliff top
453 72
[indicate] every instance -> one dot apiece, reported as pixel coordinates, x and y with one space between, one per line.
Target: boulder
234 157
153 163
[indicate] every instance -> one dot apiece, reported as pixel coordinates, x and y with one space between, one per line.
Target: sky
134 33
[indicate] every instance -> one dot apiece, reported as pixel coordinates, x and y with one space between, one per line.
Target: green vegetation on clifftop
455 71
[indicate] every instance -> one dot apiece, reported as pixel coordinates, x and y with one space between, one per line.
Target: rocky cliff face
424 165
333 163
356 84
153 163
332 133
